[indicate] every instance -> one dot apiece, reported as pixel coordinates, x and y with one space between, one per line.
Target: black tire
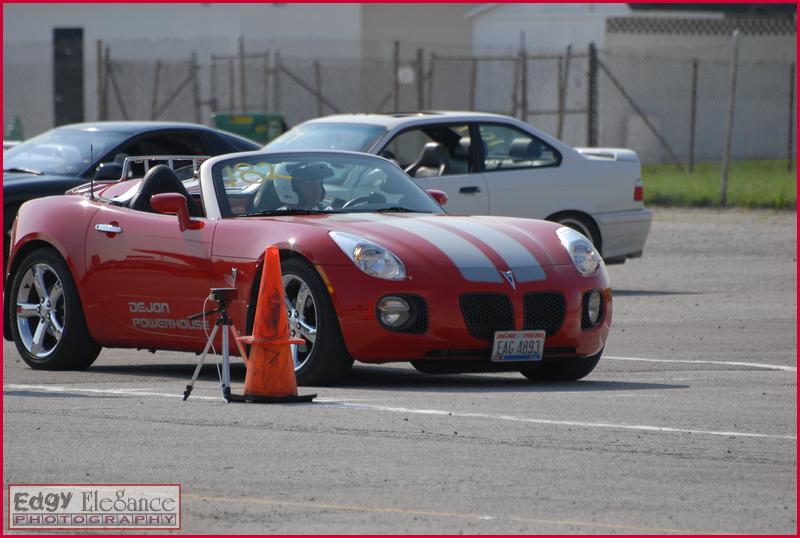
563 369
74 349
582 224
327 361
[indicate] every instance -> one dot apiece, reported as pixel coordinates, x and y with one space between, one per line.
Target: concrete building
548 28
346 52
660 57
171 32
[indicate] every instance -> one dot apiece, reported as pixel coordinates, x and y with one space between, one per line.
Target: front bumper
447 336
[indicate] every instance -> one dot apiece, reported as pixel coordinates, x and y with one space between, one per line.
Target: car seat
159 180
267 199
433 161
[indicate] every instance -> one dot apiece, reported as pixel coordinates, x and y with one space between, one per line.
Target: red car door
144 278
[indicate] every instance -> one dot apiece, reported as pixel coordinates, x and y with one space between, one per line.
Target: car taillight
638 191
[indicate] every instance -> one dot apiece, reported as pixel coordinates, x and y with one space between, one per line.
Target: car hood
31 185
479 247
10 178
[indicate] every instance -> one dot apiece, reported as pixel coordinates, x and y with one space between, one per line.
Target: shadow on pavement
388 378
395 379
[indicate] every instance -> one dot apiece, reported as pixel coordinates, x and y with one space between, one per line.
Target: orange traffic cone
270 370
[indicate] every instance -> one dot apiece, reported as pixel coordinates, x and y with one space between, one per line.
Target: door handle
108 228
469 190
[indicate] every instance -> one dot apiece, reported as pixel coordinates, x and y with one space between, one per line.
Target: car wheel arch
35 241
71 347
30 246
586 221
252 297
315 372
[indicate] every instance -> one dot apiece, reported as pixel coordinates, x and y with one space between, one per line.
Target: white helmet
313 171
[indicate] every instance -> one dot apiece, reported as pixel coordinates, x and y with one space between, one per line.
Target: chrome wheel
301 309
40 310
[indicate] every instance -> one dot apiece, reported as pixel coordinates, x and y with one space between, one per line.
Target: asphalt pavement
688 424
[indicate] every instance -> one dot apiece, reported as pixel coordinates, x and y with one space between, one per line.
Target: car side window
507 148
171 143
167 144
431 151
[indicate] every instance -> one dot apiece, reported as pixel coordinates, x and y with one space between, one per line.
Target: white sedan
490 164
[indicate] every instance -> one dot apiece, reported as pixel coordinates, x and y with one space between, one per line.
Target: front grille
544 311
485 313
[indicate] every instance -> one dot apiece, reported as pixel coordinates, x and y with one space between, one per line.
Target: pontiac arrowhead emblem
509 276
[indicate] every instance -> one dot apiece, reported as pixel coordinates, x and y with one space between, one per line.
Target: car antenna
91 181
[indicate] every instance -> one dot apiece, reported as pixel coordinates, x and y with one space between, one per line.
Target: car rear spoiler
609 154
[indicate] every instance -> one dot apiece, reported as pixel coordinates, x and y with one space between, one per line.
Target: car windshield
309 183
324 135
61 151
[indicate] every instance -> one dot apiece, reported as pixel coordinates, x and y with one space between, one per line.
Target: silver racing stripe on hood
520 260
473 264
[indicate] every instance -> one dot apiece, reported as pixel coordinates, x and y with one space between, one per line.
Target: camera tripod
223 297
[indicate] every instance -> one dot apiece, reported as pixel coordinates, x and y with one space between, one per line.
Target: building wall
762 40
177 29
443 28
651 55
547 27
337 35
157 31
653 59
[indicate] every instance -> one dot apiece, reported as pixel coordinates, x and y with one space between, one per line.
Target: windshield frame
215 176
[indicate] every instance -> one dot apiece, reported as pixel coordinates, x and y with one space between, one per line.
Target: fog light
594 306
394 312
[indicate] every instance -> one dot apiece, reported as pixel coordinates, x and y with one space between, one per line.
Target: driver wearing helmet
305 189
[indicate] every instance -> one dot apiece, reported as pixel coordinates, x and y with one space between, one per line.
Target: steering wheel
373 197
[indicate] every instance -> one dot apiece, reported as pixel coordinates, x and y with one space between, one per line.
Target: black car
68 156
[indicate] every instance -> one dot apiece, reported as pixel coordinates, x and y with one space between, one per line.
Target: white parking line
116 392
343 404
511 418
142 392
721 363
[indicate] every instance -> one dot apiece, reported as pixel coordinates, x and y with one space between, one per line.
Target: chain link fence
170 86
666 109
298 88
685 103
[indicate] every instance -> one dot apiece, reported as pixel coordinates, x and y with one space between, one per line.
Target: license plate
510 346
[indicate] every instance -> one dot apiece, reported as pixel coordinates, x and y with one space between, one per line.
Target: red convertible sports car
373 269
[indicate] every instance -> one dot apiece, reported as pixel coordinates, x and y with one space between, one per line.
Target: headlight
586 259
371 258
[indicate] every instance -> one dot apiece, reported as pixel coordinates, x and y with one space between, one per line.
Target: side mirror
108 172
439 196
172 203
